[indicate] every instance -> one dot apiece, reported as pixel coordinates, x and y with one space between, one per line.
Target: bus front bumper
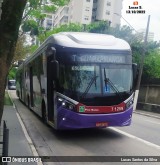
67 119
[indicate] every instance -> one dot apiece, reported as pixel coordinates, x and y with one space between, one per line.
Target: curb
146 114
28 138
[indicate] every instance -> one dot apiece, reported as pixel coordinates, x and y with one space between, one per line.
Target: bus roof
88 40
83 40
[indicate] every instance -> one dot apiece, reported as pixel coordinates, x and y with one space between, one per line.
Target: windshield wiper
89 86
108 81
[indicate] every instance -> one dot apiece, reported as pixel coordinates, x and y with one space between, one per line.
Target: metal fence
4 141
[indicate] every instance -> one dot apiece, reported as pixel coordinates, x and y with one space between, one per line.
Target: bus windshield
89 80
120 77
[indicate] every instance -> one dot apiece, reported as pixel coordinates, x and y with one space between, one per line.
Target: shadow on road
95 133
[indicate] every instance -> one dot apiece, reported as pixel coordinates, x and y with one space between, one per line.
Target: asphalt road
140 139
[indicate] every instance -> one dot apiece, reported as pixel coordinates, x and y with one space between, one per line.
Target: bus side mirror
51 51
54 70
135 73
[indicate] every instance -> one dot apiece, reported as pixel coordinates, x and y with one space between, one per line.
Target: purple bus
79 80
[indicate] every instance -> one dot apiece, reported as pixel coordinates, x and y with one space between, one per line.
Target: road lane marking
34 151
136 138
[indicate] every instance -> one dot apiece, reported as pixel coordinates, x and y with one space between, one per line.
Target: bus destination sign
99 58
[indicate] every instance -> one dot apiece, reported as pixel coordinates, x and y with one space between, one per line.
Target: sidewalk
146 113
18 144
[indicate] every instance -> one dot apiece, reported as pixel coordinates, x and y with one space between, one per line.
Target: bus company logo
135 8
81 108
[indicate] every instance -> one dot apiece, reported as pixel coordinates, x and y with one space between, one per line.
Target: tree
11 16
35 13
152 55
63 28
12 73
21 50
152 65
98 27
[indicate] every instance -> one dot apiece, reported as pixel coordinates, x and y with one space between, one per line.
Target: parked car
12 84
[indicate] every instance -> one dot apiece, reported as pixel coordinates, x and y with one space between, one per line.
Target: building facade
48 21
87 11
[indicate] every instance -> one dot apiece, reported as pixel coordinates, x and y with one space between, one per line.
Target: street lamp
141 62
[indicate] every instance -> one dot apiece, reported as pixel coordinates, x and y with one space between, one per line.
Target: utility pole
141 66
142 60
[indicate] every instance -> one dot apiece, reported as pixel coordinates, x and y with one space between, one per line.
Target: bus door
50 90
31 85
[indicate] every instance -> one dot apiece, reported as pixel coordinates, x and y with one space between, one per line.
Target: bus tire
44 114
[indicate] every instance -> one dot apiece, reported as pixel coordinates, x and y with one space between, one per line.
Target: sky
139 21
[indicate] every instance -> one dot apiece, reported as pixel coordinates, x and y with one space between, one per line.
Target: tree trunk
3 76
12 11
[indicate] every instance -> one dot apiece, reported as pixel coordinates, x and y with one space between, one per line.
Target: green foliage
7 100
124 32
98 27
32 48
12 73
60 2
152 64
152 55
21 50
63 28
28 25
35 14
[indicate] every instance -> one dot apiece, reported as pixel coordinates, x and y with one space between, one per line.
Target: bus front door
31 86
50 90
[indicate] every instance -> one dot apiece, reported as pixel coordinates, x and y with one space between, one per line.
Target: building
48 21
87 11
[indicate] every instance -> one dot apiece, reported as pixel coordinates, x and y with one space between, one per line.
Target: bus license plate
101 124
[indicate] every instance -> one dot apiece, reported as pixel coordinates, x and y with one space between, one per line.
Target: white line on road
34 151
136 138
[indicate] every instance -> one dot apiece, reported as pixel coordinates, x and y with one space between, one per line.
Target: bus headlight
66 104
129 103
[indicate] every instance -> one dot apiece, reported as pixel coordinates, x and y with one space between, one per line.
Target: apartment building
48 21
87 11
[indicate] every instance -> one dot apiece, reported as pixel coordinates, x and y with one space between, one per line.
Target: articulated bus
79 80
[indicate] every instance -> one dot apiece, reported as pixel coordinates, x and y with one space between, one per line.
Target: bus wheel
44 114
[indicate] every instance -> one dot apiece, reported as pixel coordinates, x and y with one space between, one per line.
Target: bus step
51 123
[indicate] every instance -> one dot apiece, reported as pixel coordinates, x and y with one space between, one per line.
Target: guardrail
4 141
